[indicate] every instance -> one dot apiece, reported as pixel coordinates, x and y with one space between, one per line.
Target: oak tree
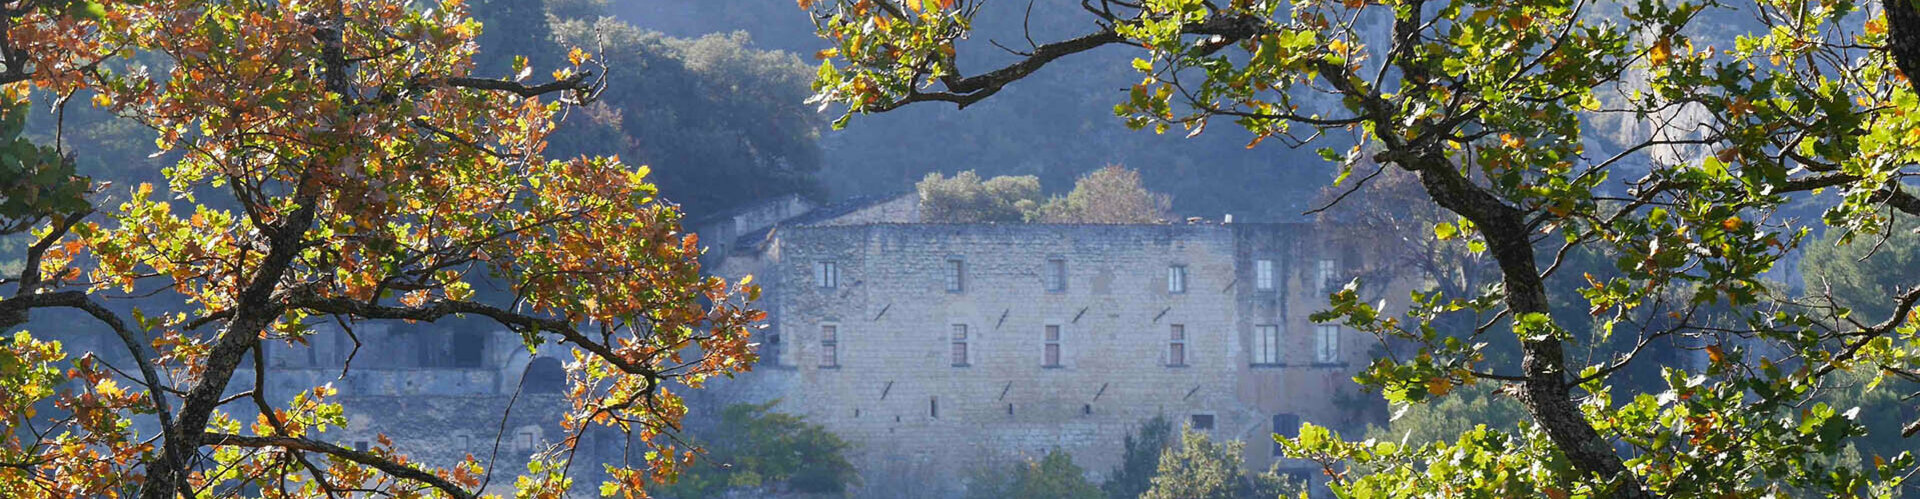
339 160
1484 102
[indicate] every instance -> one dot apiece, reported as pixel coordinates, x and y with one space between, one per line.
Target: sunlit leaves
1690 213
339 130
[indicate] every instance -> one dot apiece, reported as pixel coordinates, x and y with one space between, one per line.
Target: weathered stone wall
921 419
435 411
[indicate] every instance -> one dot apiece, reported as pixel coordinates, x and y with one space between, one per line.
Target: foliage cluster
757 450
328 164
1110 195
1154 466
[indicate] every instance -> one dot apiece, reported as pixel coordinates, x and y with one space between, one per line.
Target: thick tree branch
383 464
434 310
254 312
963 91
576 82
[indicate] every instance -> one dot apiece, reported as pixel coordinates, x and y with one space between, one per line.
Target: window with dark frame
1177 279
1056 275
1263 275
1177 345
829 345
1327 344
1266 345
826 274
1052 355
959 345
1202 422
956 275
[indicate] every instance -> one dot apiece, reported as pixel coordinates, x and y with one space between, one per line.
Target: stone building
940 349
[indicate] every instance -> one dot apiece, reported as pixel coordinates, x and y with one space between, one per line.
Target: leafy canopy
337 162
1488 104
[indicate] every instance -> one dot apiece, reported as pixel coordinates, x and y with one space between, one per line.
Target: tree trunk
1903 37
254 312
1547 392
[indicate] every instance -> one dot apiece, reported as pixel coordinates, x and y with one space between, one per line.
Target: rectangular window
1266 345
959 345
956 275
1177 279
1327 347
1285 425
826 274
1325 274
829 345
1202 422
1052 357
1056 275
1263 275
1177 346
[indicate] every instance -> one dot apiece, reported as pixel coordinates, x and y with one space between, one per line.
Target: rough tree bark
1903 37
1547 392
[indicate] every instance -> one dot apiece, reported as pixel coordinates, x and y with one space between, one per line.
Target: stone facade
942 349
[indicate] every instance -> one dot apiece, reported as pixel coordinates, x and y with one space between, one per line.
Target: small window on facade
1177 279
826 274
1266 344
360 445
956 275
1327 346
1263 275
1052 357
933 407
1177 346
468 350
959 345
1285 425
770 352
1325 274
1202 422
829 345
1056 275
526 440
